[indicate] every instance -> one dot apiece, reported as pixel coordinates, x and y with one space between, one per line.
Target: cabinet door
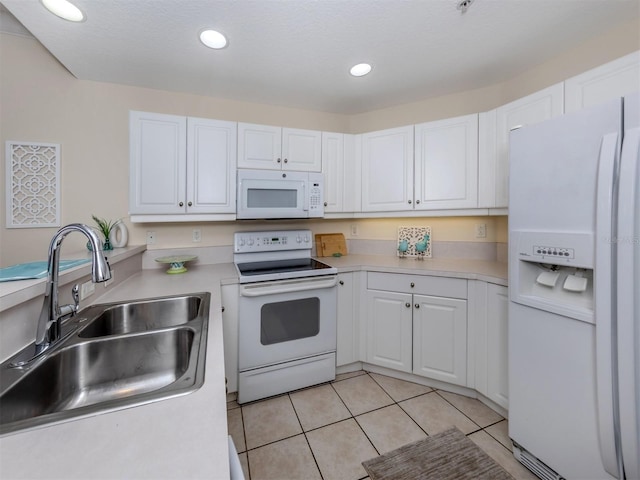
211 166
497 330
301 150
230 300
157 163
446 163
606 82
440 338
387 170
540 106
259 146
389 329
347 347
333 170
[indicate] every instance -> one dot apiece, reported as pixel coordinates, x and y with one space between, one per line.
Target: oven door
286 320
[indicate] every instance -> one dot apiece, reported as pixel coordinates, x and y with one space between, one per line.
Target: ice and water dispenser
553 272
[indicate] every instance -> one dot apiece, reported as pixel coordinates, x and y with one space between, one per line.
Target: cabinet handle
409 201
181 204
341 282
413 284
417 305
286 161
325 204
190 204
278 160
417 201
408 305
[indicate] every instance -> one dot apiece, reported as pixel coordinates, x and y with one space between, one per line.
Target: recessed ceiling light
64 9
360 70
213 39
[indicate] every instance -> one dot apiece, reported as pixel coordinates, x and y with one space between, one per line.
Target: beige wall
42 102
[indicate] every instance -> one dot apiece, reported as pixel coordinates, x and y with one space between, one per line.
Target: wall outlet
197 235
481 230
87 289
354 230
151 238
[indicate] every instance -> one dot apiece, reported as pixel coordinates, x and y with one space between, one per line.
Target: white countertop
186 436
182 437
488 271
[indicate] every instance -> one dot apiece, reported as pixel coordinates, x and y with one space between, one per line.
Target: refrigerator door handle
628 245
604 285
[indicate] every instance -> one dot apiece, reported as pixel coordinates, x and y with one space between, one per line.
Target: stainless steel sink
113 319
120 355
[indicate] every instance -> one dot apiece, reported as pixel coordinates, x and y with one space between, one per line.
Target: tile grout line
304 433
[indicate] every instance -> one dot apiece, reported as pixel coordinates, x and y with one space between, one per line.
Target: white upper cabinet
181 165
494 150
211 166
446 163
274 148
339 169
387 170
608 81
158 166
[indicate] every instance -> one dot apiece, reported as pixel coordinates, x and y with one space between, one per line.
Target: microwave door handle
305 197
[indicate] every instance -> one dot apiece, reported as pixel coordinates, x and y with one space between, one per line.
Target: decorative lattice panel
414 235
33 184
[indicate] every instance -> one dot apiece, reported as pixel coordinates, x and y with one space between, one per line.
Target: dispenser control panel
561 252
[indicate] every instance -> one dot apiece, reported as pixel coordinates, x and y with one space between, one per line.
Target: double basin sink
118 355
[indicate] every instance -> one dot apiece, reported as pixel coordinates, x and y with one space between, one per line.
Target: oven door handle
287 286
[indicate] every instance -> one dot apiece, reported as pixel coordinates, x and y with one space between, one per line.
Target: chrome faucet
52 314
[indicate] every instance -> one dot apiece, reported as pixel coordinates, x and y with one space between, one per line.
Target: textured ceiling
297 53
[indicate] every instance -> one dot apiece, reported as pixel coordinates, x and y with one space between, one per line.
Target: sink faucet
52 314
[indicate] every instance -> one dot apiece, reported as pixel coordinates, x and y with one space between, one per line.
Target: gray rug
448 455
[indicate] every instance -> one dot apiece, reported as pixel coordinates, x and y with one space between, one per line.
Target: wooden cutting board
328 244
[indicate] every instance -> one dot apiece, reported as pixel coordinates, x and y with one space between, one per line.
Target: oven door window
290 320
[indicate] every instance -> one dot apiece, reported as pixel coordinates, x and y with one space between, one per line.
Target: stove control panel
272 240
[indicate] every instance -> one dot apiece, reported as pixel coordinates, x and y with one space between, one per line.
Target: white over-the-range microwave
279 194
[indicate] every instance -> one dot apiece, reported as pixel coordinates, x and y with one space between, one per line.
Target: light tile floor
325 432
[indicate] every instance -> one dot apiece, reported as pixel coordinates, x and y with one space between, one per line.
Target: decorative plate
413 235
177 262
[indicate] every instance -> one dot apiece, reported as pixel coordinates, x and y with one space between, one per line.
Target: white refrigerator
574 283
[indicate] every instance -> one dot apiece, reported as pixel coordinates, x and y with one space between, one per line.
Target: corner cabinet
274 148
418 324
181 168
495 128
490 340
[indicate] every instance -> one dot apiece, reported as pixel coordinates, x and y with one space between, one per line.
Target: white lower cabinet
425 332
347 325
230 300
490 326
440 338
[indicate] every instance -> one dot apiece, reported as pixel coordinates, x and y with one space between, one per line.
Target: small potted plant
105 227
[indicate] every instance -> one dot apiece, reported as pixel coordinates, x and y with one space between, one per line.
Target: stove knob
250 242
306 239
298 239
241 242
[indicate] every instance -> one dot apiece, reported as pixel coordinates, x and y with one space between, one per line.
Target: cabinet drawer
419 284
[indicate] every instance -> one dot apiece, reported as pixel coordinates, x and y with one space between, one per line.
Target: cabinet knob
417 201
408 305
190 204
417 305
409 202
341 282
325 204
223 308
181 204
286 161
278 160
413 284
